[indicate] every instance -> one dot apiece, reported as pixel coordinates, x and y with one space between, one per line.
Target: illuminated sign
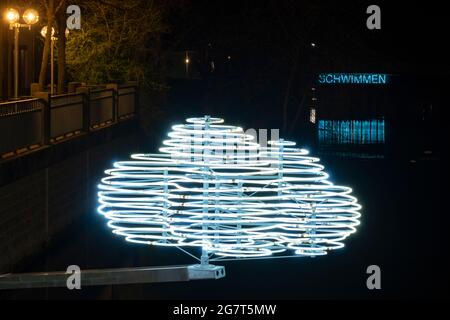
353 78
213 187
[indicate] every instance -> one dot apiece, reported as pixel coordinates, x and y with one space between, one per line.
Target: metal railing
28 124
127 101
66 114
102 105
21 125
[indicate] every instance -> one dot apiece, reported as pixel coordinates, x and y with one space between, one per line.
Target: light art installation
213 187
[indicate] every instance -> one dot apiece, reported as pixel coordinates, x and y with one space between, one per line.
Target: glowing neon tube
215 188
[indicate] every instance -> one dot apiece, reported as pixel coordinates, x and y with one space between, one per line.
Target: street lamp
52 55
30 16
12 16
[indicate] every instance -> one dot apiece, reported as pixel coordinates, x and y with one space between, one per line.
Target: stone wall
41 203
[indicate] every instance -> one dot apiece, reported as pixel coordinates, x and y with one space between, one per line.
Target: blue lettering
367 78
321 78
346 78
329 78
353 78
375 78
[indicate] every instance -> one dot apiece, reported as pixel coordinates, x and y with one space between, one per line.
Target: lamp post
52 55
12 16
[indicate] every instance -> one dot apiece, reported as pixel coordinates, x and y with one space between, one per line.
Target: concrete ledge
16 167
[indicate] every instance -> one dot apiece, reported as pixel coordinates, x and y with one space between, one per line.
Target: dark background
404 220
267 82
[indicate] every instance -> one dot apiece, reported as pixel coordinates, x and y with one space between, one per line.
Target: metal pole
16 62
52 76
204 259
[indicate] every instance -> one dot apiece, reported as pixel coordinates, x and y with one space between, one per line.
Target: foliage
118 42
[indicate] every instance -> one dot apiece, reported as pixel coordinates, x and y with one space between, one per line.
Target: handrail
21 125
65 95
6 107
18 101
63 115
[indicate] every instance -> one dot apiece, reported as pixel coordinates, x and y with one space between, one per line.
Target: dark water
403 231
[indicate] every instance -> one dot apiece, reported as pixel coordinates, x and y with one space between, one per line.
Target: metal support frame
204 259
99 277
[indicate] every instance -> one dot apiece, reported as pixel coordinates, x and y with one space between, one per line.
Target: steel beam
100 277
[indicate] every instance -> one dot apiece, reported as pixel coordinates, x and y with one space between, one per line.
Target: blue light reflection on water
351 132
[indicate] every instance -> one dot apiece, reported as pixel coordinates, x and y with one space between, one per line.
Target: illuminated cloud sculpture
213 187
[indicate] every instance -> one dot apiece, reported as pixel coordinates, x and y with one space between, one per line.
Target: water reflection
351 132
352 138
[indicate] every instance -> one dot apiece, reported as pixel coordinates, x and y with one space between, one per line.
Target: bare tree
118 41
61 31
